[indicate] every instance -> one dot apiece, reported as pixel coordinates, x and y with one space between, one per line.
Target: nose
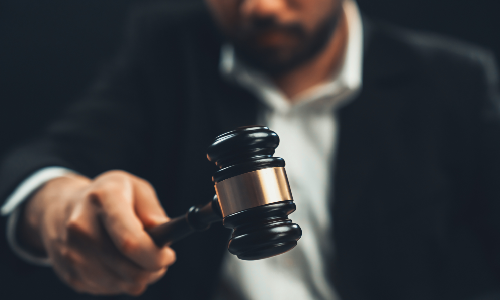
263 8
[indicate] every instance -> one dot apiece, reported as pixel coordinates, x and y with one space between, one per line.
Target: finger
146 203
157 276
127 270
134 275
91 275
102 280
67 274
72 268
98 267
112 285
97 280
115 202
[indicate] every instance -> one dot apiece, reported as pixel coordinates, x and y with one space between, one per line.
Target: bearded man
391 137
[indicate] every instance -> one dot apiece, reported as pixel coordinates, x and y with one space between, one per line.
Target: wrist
51 195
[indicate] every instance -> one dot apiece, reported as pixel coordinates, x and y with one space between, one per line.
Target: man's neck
320 68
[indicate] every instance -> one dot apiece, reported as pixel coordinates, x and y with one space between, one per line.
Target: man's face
276 35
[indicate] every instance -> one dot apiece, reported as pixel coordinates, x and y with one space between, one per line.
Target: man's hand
93 232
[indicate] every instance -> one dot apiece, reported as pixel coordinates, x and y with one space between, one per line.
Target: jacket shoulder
453 76
441 53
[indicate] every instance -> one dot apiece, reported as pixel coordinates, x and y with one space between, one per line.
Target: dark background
51 50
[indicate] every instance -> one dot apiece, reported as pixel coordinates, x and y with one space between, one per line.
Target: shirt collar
327 95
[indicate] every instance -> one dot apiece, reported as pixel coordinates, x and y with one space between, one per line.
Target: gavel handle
198 218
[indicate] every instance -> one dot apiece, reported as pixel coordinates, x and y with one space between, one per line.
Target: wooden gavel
252 197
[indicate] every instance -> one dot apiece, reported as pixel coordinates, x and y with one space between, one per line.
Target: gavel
253 197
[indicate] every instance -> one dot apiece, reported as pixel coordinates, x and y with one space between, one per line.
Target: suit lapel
365 127
360 131
365 123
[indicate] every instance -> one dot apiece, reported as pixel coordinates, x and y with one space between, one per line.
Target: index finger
115 200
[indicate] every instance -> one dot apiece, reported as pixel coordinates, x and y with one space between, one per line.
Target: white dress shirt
308 133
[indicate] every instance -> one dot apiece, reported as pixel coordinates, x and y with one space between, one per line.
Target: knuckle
99 195
145 183
160 263
154 277
168 258
156 266
74 226
109 187
103 188
140 277
173 257
96 197
116 175
135 289
128 245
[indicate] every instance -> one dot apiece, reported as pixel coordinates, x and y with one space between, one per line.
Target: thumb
147 206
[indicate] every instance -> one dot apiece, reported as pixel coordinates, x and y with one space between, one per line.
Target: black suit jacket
417 179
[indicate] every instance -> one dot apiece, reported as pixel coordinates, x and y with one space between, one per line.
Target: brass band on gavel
253 189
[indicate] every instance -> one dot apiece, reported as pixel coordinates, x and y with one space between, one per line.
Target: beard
276 60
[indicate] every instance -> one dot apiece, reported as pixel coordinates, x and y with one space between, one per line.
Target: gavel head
253 192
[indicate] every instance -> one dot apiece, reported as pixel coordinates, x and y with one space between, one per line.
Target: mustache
262 25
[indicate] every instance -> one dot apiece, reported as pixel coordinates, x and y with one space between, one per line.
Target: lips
273 38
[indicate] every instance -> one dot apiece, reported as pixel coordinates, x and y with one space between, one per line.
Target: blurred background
51 50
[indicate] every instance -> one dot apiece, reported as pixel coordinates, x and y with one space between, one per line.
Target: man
390 137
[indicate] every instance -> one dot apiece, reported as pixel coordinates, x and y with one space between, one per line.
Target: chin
278 60
273 60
